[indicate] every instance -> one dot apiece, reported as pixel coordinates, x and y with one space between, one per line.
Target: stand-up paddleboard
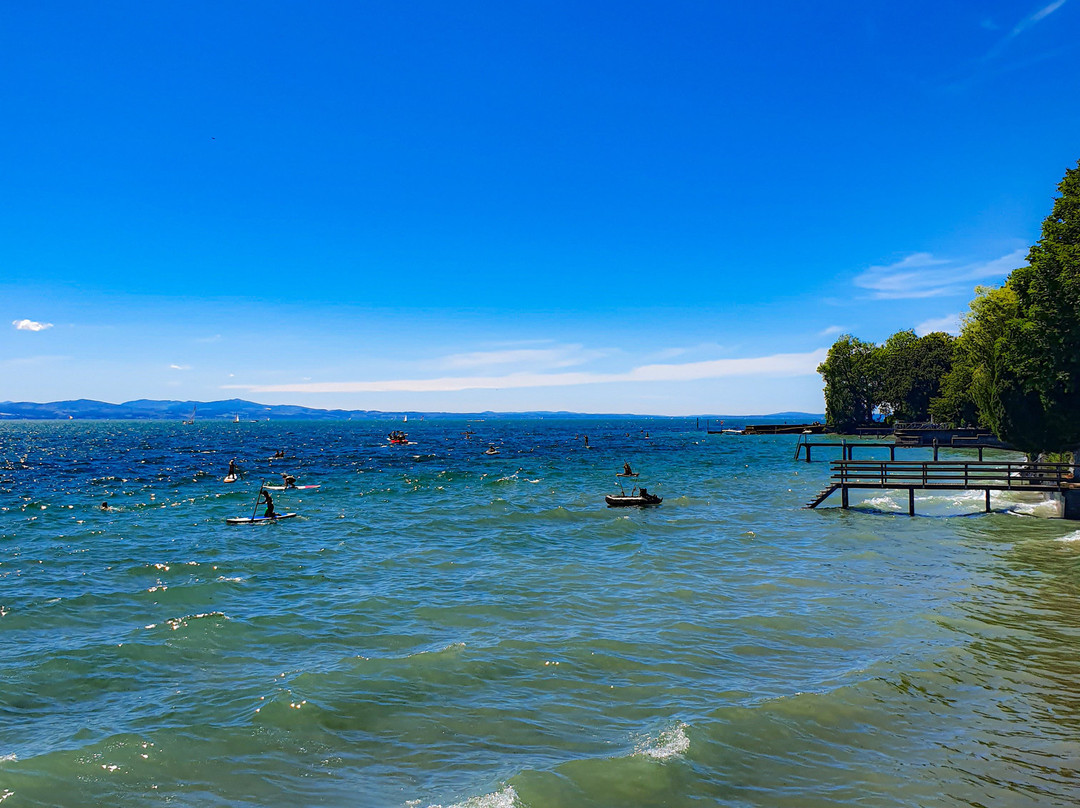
258 520
232 478
292 487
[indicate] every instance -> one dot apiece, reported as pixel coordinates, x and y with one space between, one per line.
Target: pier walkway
948 475
805 447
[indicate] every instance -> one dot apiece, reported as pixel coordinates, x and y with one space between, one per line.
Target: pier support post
1071 503
935 450
987 494
892 452
980 459
843 497
911 502
807 452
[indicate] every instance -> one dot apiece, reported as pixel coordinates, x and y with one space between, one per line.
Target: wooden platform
805 447
946 475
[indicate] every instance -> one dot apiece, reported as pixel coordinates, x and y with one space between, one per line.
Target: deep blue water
443 627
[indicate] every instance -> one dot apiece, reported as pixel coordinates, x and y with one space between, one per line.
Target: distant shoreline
246 411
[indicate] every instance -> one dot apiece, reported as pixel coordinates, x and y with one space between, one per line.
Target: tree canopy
1034 386
897 379
852 383
1015 367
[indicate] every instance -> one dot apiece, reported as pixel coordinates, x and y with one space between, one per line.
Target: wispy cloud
214 338
31 361
179 367
1020 27
30 325
1031 19
923 275
832 329
950 324
777 365
557 356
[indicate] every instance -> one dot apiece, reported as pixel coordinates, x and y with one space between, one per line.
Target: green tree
912 372
1033 384
966 394
852 374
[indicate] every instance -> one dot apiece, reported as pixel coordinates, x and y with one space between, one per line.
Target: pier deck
950 475
805 447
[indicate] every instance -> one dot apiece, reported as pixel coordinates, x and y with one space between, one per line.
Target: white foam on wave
507 798
1048 507
8 758
1074 536
883 503
667 744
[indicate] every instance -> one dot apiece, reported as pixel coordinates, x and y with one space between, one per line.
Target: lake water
441 627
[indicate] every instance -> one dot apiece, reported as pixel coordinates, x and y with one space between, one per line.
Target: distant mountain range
147 410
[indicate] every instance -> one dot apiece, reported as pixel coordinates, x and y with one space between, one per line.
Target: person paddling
264 496
289 480
233 470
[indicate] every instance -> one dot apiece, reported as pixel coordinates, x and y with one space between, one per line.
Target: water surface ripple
442 627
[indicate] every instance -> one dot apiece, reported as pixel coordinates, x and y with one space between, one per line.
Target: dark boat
639 499
398 437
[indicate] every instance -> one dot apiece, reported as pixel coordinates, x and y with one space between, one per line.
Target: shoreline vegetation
1014 368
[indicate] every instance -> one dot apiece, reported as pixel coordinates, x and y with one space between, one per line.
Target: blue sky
636 207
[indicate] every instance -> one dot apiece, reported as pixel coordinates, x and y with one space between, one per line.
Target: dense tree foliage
1015 367
852 383
912 370
897 379
966 390
1034 389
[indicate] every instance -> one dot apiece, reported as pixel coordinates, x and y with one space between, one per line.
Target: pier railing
951 474
954 475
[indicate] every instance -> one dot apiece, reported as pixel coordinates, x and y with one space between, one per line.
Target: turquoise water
440 627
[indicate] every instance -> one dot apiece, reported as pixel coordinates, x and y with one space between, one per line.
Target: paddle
258 496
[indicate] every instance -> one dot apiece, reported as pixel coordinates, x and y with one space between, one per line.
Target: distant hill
148 410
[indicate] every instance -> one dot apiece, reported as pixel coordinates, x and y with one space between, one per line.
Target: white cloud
950 324
832 329
30 325
777 365
1020 27
214 338
1041 14
559 356
180 367
923 275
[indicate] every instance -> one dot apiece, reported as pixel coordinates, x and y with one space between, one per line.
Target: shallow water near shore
442 627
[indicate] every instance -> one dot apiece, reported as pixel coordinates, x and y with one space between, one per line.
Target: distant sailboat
236 418
405 419
191 420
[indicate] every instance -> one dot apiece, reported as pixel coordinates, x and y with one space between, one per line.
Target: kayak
291 487
258 520
232 478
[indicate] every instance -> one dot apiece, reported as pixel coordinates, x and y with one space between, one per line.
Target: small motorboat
491 451
634 498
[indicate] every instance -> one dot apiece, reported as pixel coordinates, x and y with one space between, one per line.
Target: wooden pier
806 447
947 475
